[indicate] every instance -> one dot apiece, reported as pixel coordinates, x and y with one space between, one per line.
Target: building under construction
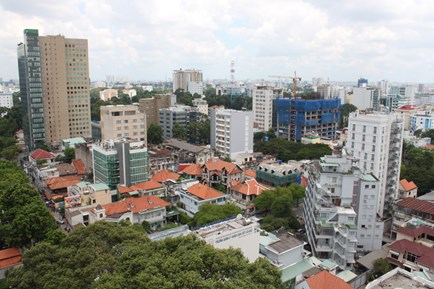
296 118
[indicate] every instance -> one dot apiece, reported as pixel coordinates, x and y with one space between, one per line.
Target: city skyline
341 40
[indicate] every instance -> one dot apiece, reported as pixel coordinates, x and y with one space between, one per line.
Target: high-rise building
171 116
120 162
65 87
340 210
376 140
118 121
366 98
362 82
29 68
181 78
405 91
151 107
54 80
296 118
262 105
231 131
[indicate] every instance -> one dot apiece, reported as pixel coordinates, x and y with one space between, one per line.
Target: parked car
60 221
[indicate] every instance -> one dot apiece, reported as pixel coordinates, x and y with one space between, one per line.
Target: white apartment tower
231 131
375 138
340 210
366 98
181 78
262 104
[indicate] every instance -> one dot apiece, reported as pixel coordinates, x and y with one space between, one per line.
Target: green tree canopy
106 255
346 109
209 213
179 131
155 134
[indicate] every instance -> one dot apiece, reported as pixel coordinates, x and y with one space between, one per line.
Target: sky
339 40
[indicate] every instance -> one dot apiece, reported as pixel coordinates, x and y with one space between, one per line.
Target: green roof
82 184
346 275
267 240
293 271
99 187
74 140
369 178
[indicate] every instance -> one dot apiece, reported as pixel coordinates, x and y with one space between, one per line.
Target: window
375 130
364 128
411 257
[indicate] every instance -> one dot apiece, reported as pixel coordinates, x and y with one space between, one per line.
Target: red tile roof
148 185
250 173
123 189
416 232
10 257
408 186
66 169
326 280
407 107
425 253
134 205
204 192
417 205
219 165
164 175
193 170
40 154
62 182
249 187
79 166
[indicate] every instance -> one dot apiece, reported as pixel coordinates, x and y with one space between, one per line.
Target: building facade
422 120
120 162
296 118
29 69
107 94
119 121
65 87
151 107
176 115
262 105
366 98
376 140
6 100
181 78
231 131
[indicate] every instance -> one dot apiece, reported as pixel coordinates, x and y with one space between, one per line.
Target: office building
262 105
231 131
195 87
296 118
151 107
65 87
120 162
181 78
362 82
119 121
376 140
29 69
176 115
366 98
405 91
422 120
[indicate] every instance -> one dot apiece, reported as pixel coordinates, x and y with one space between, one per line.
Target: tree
209 213
346 109
155 134
106 255
69 155
298 192
381 267
179 132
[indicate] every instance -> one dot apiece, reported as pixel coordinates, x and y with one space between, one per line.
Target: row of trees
107 255
418 166
24 218
287 150
277 205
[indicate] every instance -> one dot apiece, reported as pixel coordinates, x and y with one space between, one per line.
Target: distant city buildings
190 80
262 106
6 100
366 98
231 131
422 120
108 94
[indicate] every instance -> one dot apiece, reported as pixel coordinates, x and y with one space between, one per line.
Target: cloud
146 40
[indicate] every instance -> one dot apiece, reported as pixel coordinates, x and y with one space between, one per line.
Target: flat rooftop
222 228
399 281
285 243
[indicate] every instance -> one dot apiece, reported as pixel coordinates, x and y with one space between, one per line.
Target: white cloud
148 39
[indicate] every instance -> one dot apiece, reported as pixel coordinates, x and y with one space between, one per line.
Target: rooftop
193 170
66 169
134 205
326 280
204 192
165 175
184 146
249 187
293 271
219 165
79 166
424 254
223 227
10 257
148 185
40 154
285 243
417 205
400 279
408 186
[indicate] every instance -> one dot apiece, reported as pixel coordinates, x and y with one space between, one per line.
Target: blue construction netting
283 106
327 118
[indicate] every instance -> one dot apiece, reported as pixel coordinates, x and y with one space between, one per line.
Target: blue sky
147 40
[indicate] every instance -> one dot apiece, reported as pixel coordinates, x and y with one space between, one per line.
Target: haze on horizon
147 40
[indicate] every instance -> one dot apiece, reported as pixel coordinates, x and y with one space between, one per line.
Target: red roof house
9 258
326 280
165 175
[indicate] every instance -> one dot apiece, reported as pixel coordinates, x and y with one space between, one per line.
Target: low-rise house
247 191
165 175
60 185
148 188
277 173
407 189
282 250
216 171
193 171
161 160
422 234
239 233
79 167
411 256
323 280
9 259
137 210
85 193
39 156
411 209
188 153
195 196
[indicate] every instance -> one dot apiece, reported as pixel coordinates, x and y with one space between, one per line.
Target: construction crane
295 78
